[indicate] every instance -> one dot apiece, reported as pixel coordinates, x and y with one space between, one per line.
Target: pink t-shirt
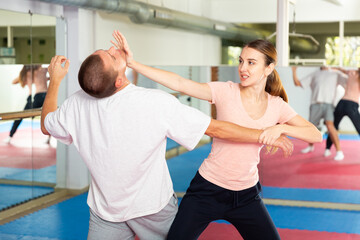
234 165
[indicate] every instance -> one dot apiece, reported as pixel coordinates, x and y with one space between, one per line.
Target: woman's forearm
168 79
308 133
173 81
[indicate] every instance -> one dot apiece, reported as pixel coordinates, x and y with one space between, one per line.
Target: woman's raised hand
122 44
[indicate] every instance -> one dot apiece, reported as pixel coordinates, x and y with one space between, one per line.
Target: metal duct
146 13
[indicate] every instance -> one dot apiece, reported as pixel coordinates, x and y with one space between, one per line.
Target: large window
351 51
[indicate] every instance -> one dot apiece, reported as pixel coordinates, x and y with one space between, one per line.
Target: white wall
9 18
158 45
264 11
36 7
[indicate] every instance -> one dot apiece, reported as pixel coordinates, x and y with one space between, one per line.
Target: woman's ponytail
274 86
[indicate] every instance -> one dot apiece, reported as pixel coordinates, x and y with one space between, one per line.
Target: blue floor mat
184 167
13 195
315 219
26 123
68 220
345 136
47 174
170 144
320 195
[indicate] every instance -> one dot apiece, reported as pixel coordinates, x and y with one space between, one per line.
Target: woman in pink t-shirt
227 183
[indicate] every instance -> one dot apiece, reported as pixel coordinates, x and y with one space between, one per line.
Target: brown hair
273 84
94 79
23 73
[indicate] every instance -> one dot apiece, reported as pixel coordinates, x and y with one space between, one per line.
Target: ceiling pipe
142 13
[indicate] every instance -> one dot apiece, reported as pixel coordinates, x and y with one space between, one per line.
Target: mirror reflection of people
30 75
323 84
347 106
227 184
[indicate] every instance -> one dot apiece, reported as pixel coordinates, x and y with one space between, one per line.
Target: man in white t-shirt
323 84
120 131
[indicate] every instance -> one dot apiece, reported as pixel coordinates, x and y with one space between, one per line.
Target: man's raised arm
57 72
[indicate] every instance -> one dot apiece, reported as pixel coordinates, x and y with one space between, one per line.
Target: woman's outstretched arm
166 78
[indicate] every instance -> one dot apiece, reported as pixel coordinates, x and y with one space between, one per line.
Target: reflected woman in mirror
31 75
227 184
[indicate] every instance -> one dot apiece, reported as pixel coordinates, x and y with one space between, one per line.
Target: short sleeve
187 125
286 111
219 88
56 124
213 93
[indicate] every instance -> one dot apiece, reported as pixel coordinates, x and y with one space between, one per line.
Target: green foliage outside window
351 51
233 55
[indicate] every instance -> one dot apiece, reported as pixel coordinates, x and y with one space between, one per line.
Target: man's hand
56 71
282 142
122 44
271 134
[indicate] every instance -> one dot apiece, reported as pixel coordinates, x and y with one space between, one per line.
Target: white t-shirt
323 85
122 139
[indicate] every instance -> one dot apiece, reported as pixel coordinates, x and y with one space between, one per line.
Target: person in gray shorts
323 84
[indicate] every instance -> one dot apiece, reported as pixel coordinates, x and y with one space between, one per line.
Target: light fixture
293 33
336 2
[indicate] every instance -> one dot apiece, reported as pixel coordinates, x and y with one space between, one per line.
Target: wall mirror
28 158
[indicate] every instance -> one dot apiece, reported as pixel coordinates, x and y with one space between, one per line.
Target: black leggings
345 108
38 102
205 202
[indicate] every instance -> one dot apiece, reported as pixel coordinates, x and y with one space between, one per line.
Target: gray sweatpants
152 227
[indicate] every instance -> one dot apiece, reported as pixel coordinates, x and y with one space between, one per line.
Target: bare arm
168 79
297 127
173 81
300 128
341 70
232 132
57 73
16 80
295 78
